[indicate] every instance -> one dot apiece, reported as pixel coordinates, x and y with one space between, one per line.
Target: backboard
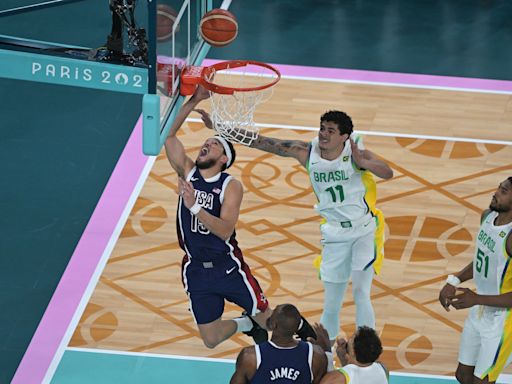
182 47
130 53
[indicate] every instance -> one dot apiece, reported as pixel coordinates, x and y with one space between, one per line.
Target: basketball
218 27
165 19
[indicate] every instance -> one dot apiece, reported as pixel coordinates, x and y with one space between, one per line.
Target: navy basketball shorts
208 284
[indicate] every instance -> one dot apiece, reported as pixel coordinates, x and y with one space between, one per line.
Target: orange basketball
165 19
218 27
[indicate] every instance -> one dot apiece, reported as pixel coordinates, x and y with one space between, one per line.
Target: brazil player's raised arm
245 366
174 149
287 148
365 159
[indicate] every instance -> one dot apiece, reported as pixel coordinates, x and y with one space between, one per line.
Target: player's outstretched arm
245 366
287 148
365 159
319 365
174 149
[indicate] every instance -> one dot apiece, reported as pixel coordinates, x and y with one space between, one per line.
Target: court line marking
507 378
378 133
393 84
381 83
362 77
409 80
99 268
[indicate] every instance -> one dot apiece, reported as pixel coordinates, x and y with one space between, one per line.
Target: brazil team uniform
213 269
486 340
352 229
282 365
373 374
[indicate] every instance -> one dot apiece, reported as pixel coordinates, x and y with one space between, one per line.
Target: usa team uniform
486 340
282 365
352 229
213 270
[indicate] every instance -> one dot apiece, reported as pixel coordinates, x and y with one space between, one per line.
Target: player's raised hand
465 298
201 93
322 337
447 293
187 192
357 154
205 116
341 346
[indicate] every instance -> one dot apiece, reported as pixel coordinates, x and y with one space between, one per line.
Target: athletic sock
243 324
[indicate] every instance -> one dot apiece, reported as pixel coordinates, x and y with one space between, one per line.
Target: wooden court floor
432 208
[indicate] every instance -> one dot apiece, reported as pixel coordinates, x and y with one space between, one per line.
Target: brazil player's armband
316 263
379 241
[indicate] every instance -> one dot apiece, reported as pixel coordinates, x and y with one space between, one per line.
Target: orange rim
236 64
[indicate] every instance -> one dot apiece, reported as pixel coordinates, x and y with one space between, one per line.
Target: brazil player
358 356
340 171
486 340
283 359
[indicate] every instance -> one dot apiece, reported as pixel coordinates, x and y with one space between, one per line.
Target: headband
225 144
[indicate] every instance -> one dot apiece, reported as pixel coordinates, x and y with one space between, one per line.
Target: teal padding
48 44
81 367
420 380
74 72
150 124
78 367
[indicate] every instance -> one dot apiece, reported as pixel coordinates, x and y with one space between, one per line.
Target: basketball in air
165 19
218 27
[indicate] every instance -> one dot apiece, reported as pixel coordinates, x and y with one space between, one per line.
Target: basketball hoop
236 88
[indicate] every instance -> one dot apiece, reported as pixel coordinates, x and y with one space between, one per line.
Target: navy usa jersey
194 238
282 365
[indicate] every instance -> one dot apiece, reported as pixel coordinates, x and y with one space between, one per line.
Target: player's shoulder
335 377
247 354
485 213
234 184
317 350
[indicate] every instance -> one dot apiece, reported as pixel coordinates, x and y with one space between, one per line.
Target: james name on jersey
284 373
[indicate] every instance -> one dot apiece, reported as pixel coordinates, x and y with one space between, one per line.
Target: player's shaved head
285 320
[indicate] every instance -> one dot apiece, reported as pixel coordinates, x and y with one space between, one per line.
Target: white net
233 115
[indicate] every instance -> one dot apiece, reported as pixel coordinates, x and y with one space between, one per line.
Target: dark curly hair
367 345
343 121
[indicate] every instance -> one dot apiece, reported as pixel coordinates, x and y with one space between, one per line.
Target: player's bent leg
477 380
262 317
216 332
361 290
333 299
465 374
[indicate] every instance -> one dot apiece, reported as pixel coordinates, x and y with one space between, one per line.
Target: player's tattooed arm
286 148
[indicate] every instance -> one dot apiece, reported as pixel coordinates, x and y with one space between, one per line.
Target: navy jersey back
194 237
283 365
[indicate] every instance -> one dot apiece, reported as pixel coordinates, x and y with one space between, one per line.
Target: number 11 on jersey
334 195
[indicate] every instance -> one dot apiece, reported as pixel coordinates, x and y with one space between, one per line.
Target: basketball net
236 88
